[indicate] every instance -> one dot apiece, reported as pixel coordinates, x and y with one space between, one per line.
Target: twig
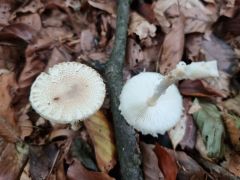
127 146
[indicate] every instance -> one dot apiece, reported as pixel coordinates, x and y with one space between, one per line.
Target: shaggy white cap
150 119
68 92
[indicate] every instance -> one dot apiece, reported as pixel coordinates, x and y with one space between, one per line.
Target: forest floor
37 34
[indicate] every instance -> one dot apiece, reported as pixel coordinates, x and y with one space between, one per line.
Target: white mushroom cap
150 119
68 92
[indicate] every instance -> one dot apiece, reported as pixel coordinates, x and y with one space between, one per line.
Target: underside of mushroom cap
68 92
150 119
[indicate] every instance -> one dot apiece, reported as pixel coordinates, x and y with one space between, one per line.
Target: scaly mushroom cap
68 92
150 119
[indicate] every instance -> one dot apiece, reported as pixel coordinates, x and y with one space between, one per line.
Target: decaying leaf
198 88
12 160
166 162
188 167
233 104
215 48
41 160
208 120
201 147
184 133
105 5
232 163
141 27
173 44
100 131
199 18
150 163
232 123
82 151
76 171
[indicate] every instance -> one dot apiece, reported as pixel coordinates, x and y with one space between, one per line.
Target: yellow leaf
100 131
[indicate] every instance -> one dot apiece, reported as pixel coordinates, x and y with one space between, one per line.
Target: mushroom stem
195 70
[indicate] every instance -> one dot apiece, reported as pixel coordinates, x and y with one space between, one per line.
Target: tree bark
127 146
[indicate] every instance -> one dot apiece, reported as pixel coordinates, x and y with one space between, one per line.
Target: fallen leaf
12 160
76 171
188 167
139 26
199 18
209 122
232 163
232 123
198 88
184 133
101 133
20 30
173 45
150 163
41 160
82 151
233 104
105 5
87 40
32 7
200 146
75 4
58 55
7 92
166 162
135 57
32 20
146 10
5 12
217 49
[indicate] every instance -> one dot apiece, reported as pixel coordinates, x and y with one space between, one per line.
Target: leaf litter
37 34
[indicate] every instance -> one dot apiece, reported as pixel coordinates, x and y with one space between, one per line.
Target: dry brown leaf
233 104
32 20
199 18
59 54
87 40
101 133
173 45
76 171
5 12
150 163
105 5
166 162
232 162
23 31
41 160
33 67
184 133
12 160
198 88
215 48
135 57
188 167
232 124
139 26
146 10
32 6
7 85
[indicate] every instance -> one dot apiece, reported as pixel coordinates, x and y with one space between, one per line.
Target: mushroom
151 102
67 93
